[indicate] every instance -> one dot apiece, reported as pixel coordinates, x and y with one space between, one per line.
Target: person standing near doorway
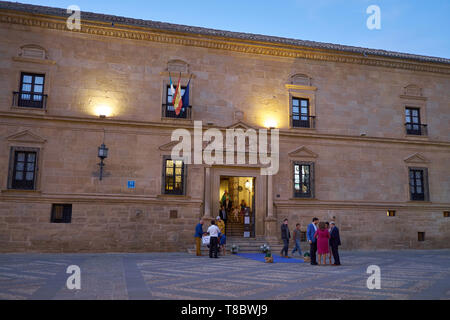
223 214
220 224
285 235
213 231
310 232
198 237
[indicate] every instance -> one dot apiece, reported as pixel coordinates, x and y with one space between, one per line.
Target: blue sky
411 26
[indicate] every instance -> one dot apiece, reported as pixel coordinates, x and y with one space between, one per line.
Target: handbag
206 240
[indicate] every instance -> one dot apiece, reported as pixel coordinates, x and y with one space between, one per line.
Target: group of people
229 212
217 238
323 239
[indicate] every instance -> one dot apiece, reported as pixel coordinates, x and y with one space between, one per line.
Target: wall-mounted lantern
102 154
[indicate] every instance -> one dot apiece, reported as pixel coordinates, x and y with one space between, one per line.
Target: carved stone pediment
26 136
300 79
416 158
412 90
302 152
177 66
240 125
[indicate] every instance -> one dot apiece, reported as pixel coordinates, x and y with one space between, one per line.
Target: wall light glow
270 123
103 110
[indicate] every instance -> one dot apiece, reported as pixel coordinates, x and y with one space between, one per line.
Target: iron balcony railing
168 111
303 121
29 100
416 129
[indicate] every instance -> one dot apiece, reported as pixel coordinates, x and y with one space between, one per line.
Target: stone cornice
216 42
170 126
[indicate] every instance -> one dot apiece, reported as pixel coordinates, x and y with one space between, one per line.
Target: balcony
416 129
168 111
29 100
303 121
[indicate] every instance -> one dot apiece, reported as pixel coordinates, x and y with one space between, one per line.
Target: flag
172 90
186 94
177 101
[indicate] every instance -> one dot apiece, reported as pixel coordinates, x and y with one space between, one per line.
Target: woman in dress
322 235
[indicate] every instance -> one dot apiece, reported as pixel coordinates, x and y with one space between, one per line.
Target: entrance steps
249 245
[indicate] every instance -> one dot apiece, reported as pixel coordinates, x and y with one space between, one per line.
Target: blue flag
186 95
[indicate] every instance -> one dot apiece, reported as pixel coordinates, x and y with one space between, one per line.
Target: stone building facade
369 149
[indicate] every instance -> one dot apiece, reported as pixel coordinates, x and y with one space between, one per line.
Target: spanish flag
177 101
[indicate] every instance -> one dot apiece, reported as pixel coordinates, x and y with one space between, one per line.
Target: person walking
285 235
220 224
213 231
198 237
335 241
310 232
322 235
296 237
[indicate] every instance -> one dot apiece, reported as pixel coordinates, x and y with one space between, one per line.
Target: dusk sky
410 26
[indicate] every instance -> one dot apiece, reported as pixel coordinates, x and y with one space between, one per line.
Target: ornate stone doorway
237 195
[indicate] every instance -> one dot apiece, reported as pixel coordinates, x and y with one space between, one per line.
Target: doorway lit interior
237 194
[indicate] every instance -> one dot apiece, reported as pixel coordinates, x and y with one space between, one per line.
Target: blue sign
131 184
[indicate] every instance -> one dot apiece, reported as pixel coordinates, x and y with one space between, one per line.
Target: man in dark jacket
335 241
285 235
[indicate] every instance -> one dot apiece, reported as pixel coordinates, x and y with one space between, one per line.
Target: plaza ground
411 274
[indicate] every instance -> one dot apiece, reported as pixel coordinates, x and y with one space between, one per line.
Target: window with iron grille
61 213
31 92
412 121
169 109
418 184
24 170
174 176
301 113
303 179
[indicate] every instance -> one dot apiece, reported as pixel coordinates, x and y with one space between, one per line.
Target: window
301 113
446 214
303 236
391 213
61 213
31 92
24 170
421 236
303 178
169 109
174 176
418 184
412 124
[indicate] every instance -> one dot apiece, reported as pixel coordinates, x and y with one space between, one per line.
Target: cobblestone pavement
404 275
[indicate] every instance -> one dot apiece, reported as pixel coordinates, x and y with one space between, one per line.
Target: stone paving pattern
413 274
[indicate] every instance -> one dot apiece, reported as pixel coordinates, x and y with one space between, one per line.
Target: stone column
270 220
207 200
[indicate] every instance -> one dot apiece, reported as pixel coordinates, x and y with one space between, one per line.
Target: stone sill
311 199
18 191
28 110
173 196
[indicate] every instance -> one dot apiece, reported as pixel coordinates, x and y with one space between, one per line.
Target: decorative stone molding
300 79
416 158
302 152
187 39
26 136
33 51
177 66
